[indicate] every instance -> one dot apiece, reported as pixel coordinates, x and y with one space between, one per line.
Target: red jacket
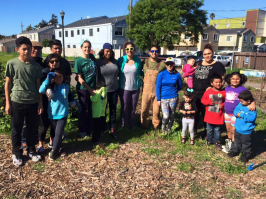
213 114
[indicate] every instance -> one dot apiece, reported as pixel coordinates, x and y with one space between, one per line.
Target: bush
46 43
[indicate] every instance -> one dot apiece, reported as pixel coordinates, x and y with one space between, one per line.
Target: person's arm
8 86
206 100
249 116
237 110
179 81
44 86
159 88
83 83
40 105
252 106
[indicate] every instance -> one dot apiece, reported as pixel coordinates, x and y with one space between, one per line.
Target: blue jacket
121 62
245 123
58 105
167 85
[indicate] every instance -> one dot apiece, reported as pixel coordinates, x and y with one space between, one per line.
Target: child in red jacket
214 115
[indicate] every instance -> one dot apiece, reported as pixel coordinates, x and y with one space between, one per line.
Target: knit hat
36 44
107 46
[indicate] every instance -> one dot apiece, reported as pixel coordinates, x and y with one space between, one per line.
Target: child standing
213 99
188 109
189 71
23 78
57 108
99 101
235 81
244 125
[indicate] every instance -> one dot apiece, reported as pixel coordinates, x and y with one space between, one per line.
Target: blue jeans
213 133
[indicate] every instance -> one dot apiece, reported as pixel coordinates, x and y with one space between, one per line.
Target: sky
13 12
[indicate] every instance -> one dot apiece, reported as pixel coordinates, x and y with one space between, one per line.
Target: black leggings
59 126
201 110
112 101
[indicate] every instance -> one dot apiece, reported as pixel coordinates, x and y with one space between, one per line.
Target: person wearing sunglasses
130 70
152 66
168 84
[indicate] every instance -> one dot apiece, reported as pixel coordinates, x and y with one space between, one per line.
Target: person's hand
238 115
188 112
208 88
40 109
8 109
252 107
51 76
213 102
221 106
93 92
159 103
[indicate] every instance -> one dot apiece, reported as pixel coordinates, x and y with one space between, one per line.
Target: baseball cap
107 46
83 40
169 60
36 44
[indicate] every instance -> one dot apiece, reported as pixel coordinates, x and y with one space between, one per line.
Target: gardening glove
51 76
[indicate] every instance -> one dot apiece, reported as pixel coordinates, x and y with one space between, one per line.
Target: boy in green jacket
99 101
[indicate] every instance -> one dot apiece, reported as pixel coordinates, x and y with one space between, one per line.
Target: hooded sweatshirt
99 101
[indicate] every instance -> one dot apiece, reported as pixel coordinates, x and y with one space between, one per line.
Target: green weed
152 151
112 146
232 169
234 193
39 167
185 167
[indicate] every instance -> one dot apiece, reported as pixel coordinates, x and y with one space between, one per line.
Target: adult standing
130 69
206 69
108 73
151 68
168 84
86 70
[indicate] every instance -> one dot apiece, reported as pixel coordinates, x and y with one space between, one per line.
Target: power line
233 10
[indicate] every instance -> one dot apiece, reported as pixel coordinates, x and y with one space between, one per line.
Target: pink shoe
191 142
183 140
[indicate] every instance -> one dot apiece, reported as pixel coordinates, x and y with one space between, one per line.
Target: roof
7 40
210 27
232 31
95 21
39 30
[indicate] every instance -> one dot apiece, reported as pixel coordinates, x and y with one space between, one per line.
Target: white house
98 30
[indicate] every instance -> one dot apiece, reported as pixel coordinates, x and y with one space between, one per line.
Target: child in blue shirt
244 125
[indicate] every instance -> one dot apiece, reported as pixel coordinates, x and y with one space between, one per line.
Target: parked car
184 60
185 53
224 61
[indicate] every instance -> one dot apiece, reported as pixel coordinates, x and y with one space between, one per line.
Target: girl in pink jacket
189 71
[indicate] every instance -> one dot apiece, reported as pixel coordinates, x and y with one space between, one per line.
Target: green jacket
121 62
99 101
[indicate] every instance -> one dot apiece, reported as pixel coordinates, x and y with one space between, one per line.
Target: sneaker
50 145
17 161
83 135
232 154
40 150
243 158
64 136
191 142
218 146
113 135
62 152
34 156
52 155
24 146
183 140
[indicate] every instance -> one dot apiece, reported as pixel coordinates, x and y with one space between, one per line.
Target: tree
162 22
46 43
42 24
212 16
29 28
53 20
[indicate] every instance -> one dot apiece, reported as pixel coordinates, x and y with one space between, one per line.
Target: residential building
254 20
98 30
241 38
7 45
260 47
47 32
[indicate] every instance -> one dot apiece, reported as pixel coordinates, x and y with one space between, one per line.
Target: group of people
34 87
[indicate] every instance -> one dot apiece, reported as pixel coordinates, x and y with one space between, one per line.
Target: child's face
235 80
54 63
191 62
245 103
217 84
58 78
86 48
56 49
187 99
24 51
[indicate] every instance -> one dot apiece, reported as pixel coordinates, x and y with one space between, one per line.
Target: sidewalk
254 85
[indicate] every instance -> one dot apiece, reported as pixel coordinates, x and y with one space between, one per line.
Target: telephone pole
21 27
130 12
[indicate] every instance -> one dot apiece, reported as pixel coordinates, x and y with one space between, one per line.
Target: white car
224 61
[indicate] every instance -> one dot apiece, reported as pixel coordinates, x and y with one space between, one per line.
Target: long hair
49 57
101 54
243 78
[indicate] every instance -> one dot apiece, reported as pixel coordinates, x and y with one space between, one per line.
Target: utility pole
130 12
21 27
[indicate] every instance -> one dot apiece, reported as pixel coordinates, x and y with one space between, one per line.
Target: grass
5 57
66 57
185 167
39 167
234 193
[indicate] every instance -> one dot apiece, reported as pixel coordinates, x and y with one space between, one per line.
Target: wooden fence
252 60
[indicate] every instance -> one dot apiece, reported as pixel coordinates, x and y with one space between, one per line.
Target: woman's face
107 53
129 50
54 63
86 48
170 66
208 55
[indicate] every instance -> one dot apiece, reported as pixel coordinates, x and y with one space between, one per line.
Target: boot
244 158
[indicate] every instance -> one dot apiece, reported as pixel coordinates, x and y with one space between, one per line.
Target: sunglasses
54 61
169 64
154 51
129 49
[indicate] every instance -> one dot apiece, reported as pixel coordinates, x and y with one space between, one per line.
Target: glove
51 76
50 93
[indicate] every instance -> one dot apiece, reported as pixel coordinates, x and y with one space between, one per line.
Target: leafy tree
2 36
42 24
212 16
13 36
53 20
46 43
162 22
29 28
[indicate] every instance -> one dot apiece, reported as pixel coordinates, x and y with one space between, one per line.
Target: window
229 38
243 23
98 29
68 46
215 37
72 33
227 24
83 31
66 33
60 34
216 25
252 39
30 36
77 32
205 36
90 32
245 38
118 31
34 36
74 46
187 37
